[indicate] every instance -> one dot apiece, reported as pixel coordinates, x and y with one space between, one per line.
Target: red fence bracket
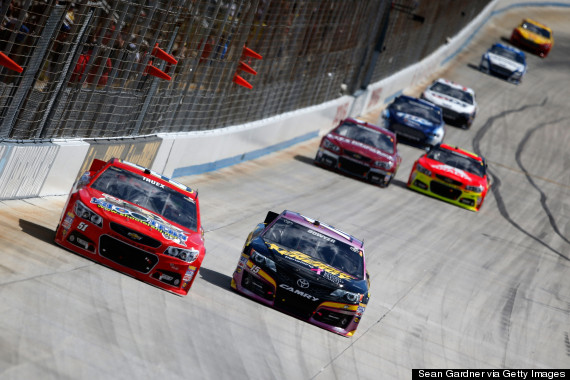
160 54
8 63
242 66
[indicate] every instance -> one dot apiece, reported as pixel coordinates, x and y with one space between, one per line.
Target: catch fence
112 68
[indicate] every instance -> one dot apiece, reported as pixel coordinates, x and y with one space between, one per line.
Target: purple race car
307 269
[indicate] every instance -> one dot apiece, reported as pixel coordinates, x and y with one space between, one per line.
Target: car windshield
510 54
418 109
457 160
536 29
453 92
295 237
161 200
366 136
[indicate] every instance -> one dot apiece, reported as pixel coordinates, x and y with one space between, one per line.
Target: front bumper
356 168
254 282
143 260
445 191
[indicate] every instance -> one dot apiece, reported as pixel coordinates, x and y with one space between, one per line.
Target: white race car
505 62
456 101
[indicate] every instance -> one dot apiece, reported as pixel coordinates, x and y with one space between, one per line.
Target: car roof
322 228
368 125
411 99
531 21
454 85
461 151
507 47
151 175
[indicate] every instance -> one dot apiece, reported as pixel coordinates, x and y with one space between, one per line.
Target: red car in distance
453 175
135 221
361 150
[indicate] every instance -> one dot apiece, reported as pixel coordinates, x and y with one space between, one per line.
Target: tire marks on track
543 197
496 186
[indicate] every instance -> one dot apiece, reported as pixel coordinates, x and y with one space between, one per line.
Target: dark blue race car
415 120
305 268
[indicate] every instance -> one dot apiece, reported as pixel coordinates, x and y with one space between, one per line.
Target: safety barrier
30 169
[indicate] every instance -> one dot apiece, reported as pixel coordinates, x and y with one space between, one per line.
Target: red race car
136 221
361 150
453 175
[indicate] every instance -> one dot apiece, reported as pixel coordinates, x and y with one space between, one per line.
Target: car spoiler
270 217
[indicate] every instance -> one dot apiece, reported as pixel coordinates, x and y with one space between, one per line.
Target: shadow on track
39 232
216 278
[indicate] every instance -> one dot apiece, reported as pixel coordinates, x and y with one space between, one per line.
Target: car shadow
310 161
399 183
474 67
216 278
303 159
39 232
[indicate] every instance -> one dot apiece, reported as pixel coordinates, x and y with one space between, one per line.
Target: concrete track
450 288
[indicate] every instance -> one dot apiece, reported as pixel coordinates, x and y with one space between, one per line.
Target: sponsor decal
360 145
332 278
67 222
242 261
335 230
298 292
319 235
504 62
414 119
307 260
168 231
155 183
188 276
451 170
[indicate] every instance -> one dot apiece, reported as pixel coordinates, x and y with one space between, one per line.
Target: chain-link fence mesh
94 68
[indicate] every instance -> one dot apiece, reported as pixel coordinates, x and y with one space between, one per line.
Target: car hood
310 268
449 102
365 150
413 121
506 63
452 172
136 218
528 35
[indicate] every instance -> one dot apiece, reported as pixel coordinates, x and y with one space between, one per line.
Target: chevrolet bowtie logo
134 236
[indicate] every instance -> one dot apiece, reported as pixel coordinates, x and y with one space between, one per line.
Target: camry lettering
298 292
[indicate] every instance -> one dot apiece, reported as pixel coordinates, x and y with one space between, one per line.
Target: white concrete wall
28 170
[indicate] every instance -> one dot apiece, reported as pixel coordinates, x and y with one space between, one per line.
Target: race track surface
450 288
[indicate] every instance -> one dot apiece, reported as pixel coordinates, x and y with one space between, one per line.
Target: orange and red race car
533 36
453 175
136 221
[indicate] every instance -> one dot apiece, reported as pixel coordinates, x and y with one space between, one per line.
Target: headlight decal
260 259
186 255
423 170
327 144
346 295
85 213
